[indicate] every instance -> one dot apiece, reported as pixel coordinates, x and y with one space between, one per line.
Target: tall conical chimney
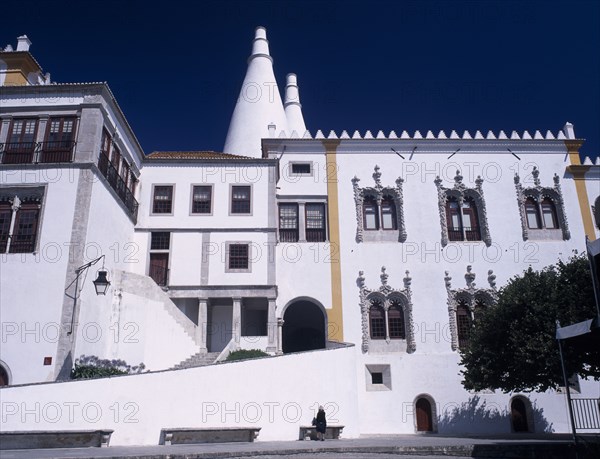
259 103
293 108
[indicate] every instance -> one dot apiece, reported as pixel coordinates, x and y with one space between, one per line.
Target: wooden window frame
289 234
153 210
228 258
315 234
193 201
377 325
234 203
389 201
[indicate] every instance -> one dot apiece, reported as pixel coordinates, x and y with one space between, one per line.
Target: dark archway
3 377
303 327
518 415
424 415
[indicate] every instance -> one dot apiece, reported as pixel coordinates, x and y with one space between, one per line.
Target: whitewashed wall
32 285
278 394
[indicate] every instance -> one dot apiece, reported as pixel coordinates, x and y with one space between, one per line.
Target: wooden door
424 418
518 414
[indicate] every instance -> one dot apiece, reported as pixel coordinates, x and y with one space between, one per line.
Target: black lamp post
101 284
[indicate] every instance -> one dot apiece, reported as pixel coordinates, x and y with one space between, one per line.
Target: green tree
512 346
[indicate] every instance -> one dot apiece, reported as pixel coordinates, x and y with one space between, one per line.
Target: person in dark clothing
321 424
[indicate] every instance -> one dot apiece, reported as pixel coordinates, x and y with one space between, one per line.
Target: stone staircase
197 360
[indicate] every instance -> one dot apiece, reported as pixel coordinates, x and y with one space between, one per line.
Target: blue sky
176 68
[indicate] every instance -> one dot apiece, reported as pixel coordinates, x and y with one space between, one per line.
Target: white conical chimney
259 103
293 108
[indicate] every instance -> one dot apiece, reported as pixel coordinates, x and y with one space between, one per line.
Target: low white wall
277 394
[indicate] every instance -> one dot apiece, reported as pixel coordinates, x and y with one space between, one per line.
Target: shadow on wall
477 416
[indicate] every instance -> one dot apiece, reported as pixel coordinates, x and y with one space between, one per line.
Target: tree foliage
512 346
89 367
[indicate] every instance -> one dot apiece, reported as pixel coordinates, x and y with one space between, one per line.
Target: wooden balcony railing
118 184
60 151
288 235
315 234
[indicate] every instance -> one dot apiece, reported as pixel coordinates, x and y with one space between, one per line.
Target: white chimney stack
23 43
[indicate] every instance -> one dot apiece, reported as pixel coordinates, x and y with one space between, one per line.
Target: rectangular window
315 223
60 140
20 143
301 168
160 240
25 230
240 199
288 222
163 199
238 256
202 199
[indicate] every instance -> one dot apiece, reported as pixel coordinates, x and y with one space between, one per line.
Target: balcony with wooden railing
288 235
117 183
60 151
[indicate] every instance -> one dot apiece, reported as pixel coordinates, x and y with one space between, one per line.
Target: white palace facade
357 260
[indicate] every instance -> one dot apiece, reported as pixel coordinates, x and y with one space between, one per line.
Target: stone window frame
538 193
250 254
378 192
17 196
386 385
470 296
212 200
460 192
153 198
291 172
387 294
231 213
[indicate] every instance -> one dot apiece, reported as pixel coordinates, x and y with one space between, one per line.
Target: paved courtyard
381 447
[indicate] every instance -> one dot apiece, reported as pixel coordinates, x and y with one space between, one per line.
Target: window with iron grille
463 323
23 131
163 199
396 321
238 256
240 199
301 168
19 220
377 320
288 222
202 199
315 223
160 240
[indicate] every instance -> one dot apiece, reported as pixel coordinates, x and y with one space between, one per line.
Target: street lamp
101 284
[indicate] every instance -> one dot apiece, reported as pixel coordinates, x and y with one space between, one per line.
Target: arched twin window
379 216
388 324
462 220
547 218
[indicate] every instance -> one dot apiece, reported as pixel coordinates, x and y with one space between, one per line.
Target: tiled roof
193 155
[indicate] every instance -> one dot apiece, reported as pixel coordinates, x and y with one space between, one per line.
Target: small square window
301 168
240 200
163 199
202 199
160 240
47 361
377 378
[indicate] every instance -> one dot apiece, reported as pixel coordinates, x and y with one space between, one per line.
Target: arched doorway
303 327
424 415
518 415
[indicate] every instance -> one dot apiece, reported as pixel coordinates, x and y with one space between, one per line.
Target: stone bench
186 435
55 439
333 432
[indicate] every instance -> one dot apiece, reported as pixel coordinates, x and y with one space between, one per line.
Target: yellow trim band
335 317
